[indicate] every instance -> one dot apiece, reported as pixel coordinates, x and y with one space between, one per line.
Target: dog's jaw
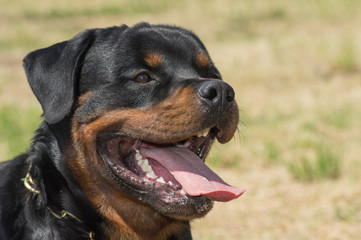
114 198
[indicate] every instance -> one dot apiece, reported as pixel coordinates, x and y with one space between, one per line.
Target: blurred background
295 67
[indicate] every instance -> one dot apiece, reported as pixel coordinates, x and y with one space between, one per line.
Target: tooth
151 174
138 157
170 183
204 134
161 180
179 145
145 166
183 191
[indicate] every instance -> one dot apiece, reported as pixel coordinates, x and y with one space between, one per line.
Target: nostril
229 99
208 91
229 95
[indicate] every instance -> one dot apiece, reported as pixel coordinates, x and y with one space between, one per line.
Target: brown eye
142 78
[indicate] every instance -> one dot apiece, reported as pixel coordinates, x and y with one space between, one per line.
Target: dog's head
145 104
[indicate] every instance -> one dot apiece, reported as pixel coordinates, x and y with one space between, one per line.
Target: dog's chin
147 171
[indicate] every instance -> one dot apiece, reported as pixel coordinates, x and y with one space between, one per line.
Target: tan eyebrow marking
202 59
153 59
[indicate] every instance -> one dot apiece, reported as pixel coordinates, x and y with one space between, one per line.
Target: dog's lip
165 169
121 164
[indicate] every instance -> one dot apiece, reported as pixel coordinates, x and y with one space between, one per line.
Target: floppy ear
53 74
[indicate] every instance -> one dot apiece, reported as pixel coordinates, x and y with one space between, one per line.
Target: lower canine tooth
183 191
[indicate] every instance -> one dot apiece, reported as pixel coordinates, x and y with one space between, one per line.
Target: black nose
217 93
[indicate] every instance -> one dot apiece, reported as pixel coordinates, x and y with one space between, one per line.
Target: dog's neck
56 193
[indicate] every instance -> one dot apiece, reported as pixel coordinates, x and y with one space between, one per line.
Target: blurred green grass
129 7
324 164
16 127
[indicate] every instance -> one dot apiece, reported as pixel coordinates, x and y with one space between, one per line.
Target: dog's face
145 104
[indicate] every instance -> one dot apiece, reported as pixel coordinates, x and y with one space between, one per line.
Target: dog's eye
142 78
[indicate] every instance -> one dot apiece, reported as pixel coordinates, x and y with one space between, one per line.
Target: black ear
53 74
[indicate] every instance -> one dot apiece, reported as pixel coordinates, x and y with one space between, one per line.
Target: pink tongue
195 177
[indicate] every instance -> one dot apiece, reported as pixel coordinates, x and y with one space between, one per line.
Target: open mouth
174 172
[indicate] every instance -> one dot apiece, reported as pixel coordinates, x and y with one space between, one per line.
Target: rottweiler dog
130 114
